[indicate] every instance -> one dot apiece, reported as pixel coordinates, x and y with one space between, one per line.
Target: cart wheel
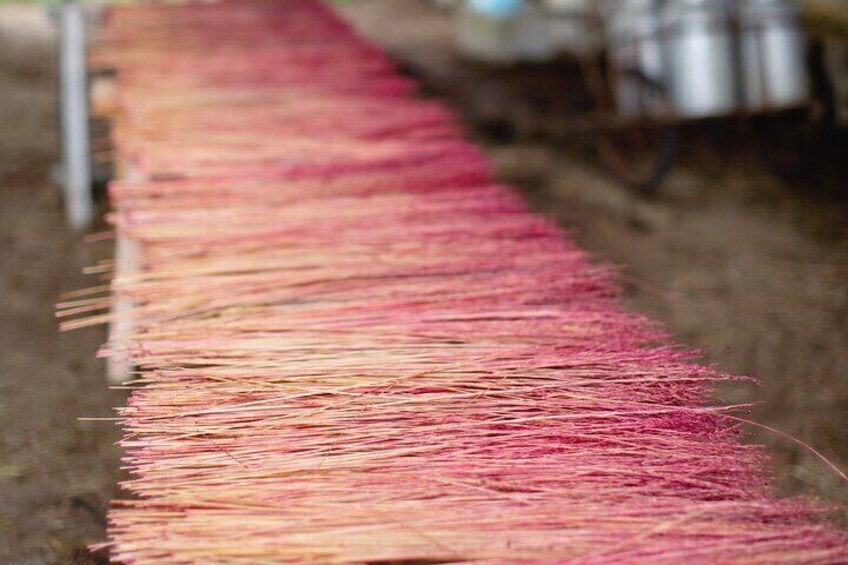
638 153
792 142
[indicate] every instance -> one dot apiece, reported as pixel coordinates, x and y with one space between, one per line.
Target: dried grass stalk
355 348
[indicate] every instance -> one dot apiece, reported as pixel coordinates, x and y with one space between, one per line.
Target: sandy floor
56 472
751 270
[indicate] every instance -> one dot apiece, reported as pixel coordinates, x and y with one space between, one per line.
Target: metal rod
76 168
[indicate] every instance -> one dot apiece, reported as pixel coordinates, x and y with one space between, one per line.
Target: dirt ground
751 270
57 473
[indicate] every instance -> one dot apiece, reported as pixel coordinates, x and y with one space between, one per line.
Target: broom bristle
354 347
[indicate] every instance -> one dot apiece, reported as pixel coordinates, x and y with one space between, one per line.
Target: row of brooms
353 346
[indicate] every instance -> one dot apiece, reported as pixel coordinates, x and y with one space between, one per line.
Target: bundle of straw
354 347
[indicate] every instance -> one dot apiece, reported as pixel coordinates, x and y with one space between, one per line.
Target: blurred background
699 144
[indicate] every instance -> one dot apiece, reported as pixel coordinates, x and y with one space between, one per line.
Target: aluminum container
573 27
484 38
532 39
503 32
699 54
496 9
773 54
636 55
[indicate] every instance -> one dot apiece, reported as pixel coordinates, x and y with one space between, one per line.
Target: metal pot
573 27
503 32
773 54
636 54
699 57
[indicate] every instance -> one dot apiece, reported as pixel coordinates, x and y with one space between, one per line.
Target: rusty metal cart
653 65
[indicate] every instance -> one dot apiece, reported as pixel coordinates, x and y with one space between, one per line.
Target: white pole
76 167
